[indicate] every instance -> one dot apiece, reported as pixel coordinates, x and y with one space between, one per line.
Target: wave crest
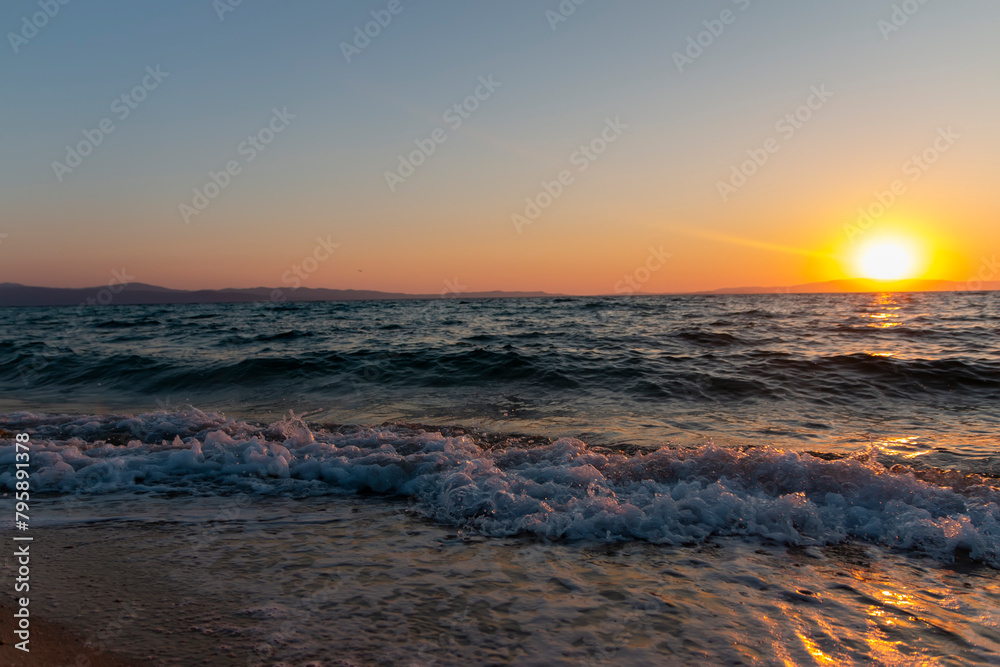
562 490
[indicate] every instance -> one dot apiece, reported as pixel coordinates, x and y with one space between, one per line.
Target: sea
772 479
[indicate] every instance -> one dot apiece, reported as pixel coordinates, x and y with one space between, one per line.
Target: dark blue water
916 374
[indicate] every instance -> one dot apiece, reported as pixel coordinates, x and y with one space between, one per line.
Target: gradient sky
451 221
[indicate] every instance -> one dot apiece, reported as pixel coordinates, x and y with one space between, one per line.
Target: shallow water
365 581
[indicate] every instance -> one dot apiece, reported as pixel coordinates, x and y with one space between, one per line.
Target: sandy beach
52 644
90 600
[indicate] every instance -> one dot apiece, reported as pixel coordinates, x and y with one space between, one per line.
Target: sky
578 147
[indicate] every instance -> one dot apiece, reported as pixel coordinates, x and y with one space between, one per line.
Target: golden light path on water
885 313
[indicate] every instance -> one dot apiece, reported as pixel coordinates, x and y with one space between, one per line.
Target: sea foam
559 491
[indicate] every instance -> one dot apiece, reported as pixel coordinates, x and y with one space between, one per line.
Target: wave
119 324
902 377
238 340
723 368
707 338
136 372
562 490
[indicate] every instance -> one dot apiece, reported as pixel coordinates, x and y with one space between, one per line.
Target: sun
888 259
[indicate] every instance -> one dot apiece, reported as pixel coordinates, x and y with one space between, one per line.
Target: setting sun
888 259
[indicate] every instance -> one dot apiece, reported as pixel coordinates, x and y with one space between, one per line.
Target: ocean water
765 479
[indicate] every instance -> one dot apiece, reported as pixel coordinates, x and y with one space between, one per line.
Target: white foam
563 490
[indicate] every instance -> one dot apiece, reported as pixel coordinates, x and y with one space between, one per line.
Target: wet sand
92 595
51 644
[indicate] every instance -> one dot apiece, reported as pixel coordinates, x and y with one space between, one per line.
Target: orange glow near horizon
568 252
901 250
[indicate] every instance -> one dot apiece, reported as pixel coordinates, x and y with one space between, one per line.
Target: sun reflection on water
907 447
883 312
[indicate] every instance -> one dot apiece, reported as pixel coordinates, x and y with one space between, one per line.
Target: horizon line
20 295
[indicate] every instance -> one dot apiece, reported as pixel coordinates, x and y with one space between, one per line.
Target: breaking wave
561 490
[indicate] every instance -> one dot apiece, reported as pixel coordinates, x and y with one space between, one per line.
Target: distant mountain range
14 294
